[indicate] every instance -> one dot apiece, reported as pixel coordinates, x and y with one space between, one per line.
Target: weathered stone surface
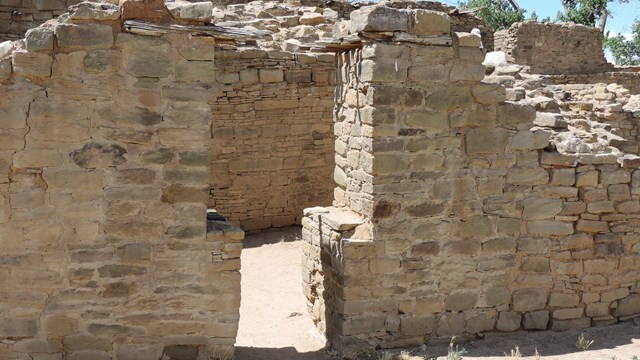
84 36
525 300
150 10
508 321
536 320
31 65
486 141
191 11
88 10
95 155
379 18
628 306
151 65
39 39
426 22
541 208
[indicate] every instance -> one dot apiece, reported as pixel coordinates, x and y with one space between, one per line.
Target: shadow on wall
288 353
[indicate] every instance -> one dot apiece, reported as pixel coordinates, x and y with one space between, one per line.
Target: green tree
587 12
500 14
624 51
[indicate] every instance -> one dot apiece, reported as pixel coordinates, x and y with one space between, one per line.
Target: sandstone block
599 266
380 71
94 11
39 39
48 4
597 309
379 18
31 65
150 10
611 295
270 75
73 179
195 71
132 42
530 140
589 178
449 98
550 120
592 226
508 321
628 306
496 296
417 325
84 36
95 155
600 207
488 94
144 64
486 141
467 72
450 324
461 301
528 176
615 177
563 177
563 300
101 61
59 325
511 113
525 300
191 11
541 208
465 39
426 22
619 192
536 264
536 320
549 228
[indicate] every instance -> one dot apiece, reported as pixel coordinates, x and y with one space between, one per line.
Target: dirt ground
274 324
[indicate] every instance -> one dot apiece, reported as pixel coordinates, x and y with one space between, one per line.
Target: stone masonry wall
104 175
620 76
272 146
18 16
453 213
554 48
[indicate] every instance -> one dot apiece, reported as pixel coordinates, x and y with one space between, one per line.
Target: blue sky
622 15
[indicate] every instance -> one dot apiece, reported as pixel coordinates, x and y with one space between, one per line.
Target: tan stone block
465 39
84 36
476 227
488 94
535 264
486 141
417 325
615 294
591 226
525 300
549 228
183 137
31 65
270 75
381 71
563 300
73 179
429 305
37 158
451 324
508 321
148 64
619 192
27 199
195 71
541 208
597 309
461 301
59 325
589 178
425 74
467 72
133 42
615 177
264 105
599 266
527 176
567 314
628 306
426 22
562 325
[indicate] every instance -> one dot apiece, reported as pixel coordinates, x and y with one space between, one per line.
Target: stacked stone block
18 16
104 176
550 48
272 135
468 220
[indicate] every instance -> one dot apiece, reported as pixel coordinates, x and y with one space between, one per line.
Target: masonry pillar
379 269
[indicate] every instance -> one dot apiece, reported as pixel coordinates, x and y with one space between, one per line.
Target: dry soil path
274 324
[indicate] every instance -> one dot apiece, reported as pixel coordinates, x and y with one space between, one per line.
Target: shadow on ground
620 340
286 353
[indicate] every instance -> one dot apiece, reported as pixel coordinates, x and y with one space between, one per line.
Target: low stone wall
453 216
104 173
620 76
550 48
17 16
272 145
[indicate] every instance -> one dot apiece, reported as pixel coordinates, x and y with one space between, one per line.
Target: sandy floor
274 324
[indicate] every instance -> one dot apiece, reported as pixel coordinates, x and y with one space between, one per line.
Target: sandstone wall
554 48
272 146
18 16
620 76
453 215
104 175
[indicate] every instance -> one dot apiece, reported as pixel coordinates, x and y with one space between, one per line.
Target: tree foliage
625 51
500 14
587 12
